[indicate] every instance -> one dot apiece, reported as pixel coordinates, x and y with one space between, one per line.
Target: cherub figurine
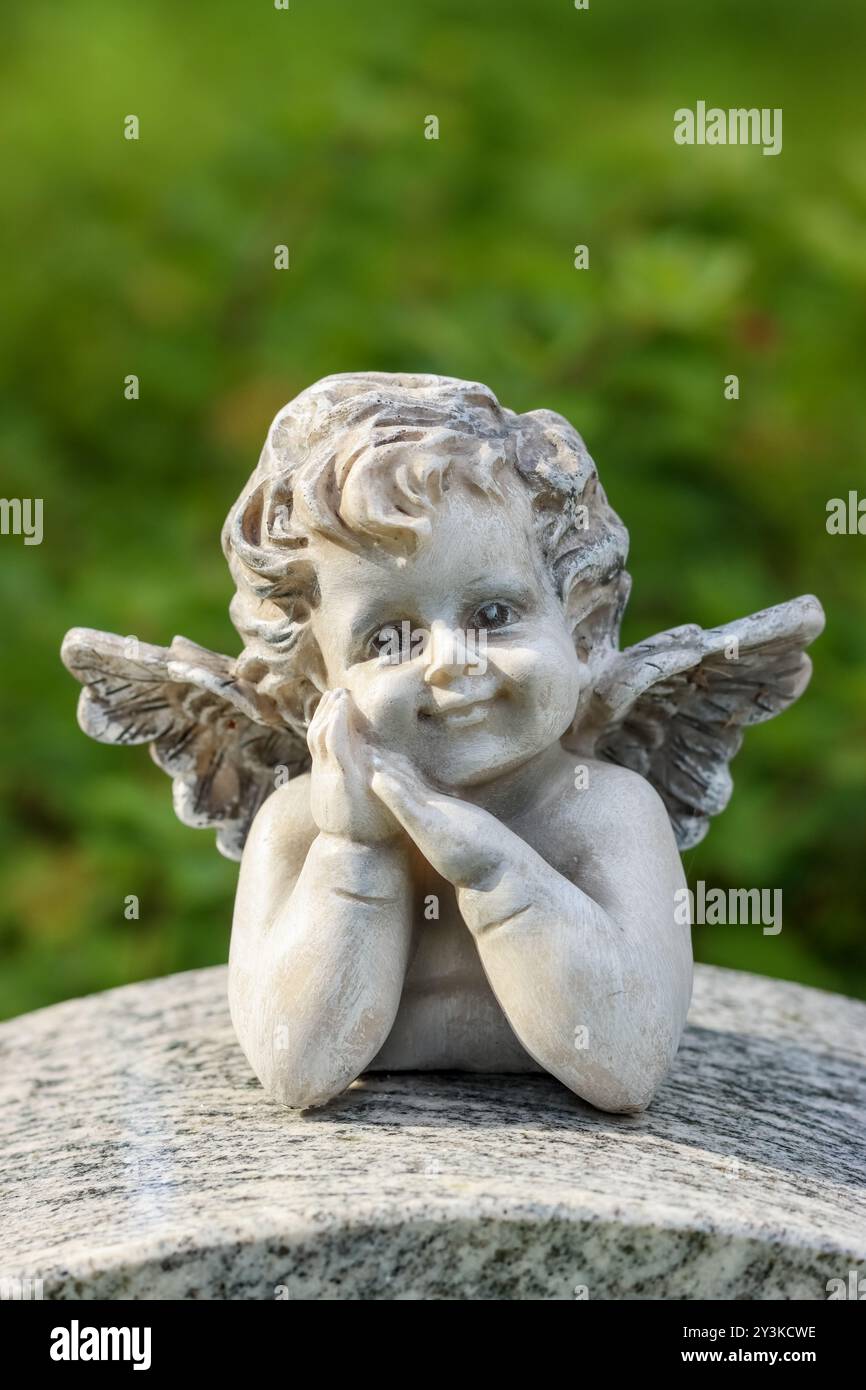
459 803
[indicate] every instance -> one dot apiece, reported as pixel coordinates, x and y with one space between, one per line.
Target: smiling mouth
459 716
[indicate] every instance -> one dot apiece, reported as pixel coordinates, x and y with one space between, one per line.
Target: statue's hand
341 799
460 841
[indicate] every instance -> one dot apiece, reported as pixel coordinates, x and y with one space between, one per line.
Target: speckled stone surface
142 1160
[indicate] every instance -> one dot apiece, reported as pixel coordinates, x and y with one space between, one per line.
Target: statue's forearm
315 983
596 1001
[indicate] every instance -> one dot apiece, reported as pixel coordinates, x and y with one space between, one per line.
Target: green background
305 127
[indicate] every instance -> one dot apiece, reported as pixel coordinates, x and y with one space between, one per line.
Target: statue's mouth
459 713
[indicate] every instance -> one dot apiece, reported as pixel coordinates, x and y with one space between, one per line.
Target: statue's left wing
221 742
674 708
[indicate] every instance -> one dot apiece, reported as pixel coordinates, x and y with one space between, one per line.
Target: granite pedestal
143 1161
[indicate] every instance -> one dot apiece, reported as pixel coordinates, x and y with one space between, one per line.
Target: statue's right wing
223 744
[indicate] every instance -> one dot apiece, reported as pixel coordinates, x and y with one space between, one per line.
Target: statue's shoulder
606 825
603 799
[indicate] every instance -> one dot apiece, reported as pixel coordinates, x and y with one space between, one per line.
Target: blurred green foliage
305 127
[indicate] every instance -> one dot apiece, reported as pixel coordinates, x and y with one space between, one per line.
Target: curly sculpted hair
362 458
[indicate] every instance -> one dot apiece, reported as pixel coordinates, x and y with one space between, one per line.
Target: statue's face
459 655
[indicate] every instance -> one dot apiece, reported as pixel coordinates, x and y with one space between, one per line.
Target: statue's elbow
302 1079
305 1067
617 1094
305 1092
627 1084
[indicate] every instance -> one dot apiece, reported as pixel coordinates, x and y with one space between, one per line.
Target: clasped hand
361 792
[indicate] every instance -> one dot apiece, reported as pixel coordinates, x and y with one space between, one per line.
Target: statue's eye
393 642
492 616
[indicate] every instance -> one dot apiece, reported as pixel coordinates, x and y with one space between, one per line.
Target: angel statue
458 803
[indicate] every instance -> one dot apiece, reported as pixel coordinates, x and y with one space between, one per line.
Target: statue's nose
447 654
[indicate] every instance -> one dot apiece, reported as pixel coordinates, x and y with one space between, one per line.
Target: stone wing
674 708
222 743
